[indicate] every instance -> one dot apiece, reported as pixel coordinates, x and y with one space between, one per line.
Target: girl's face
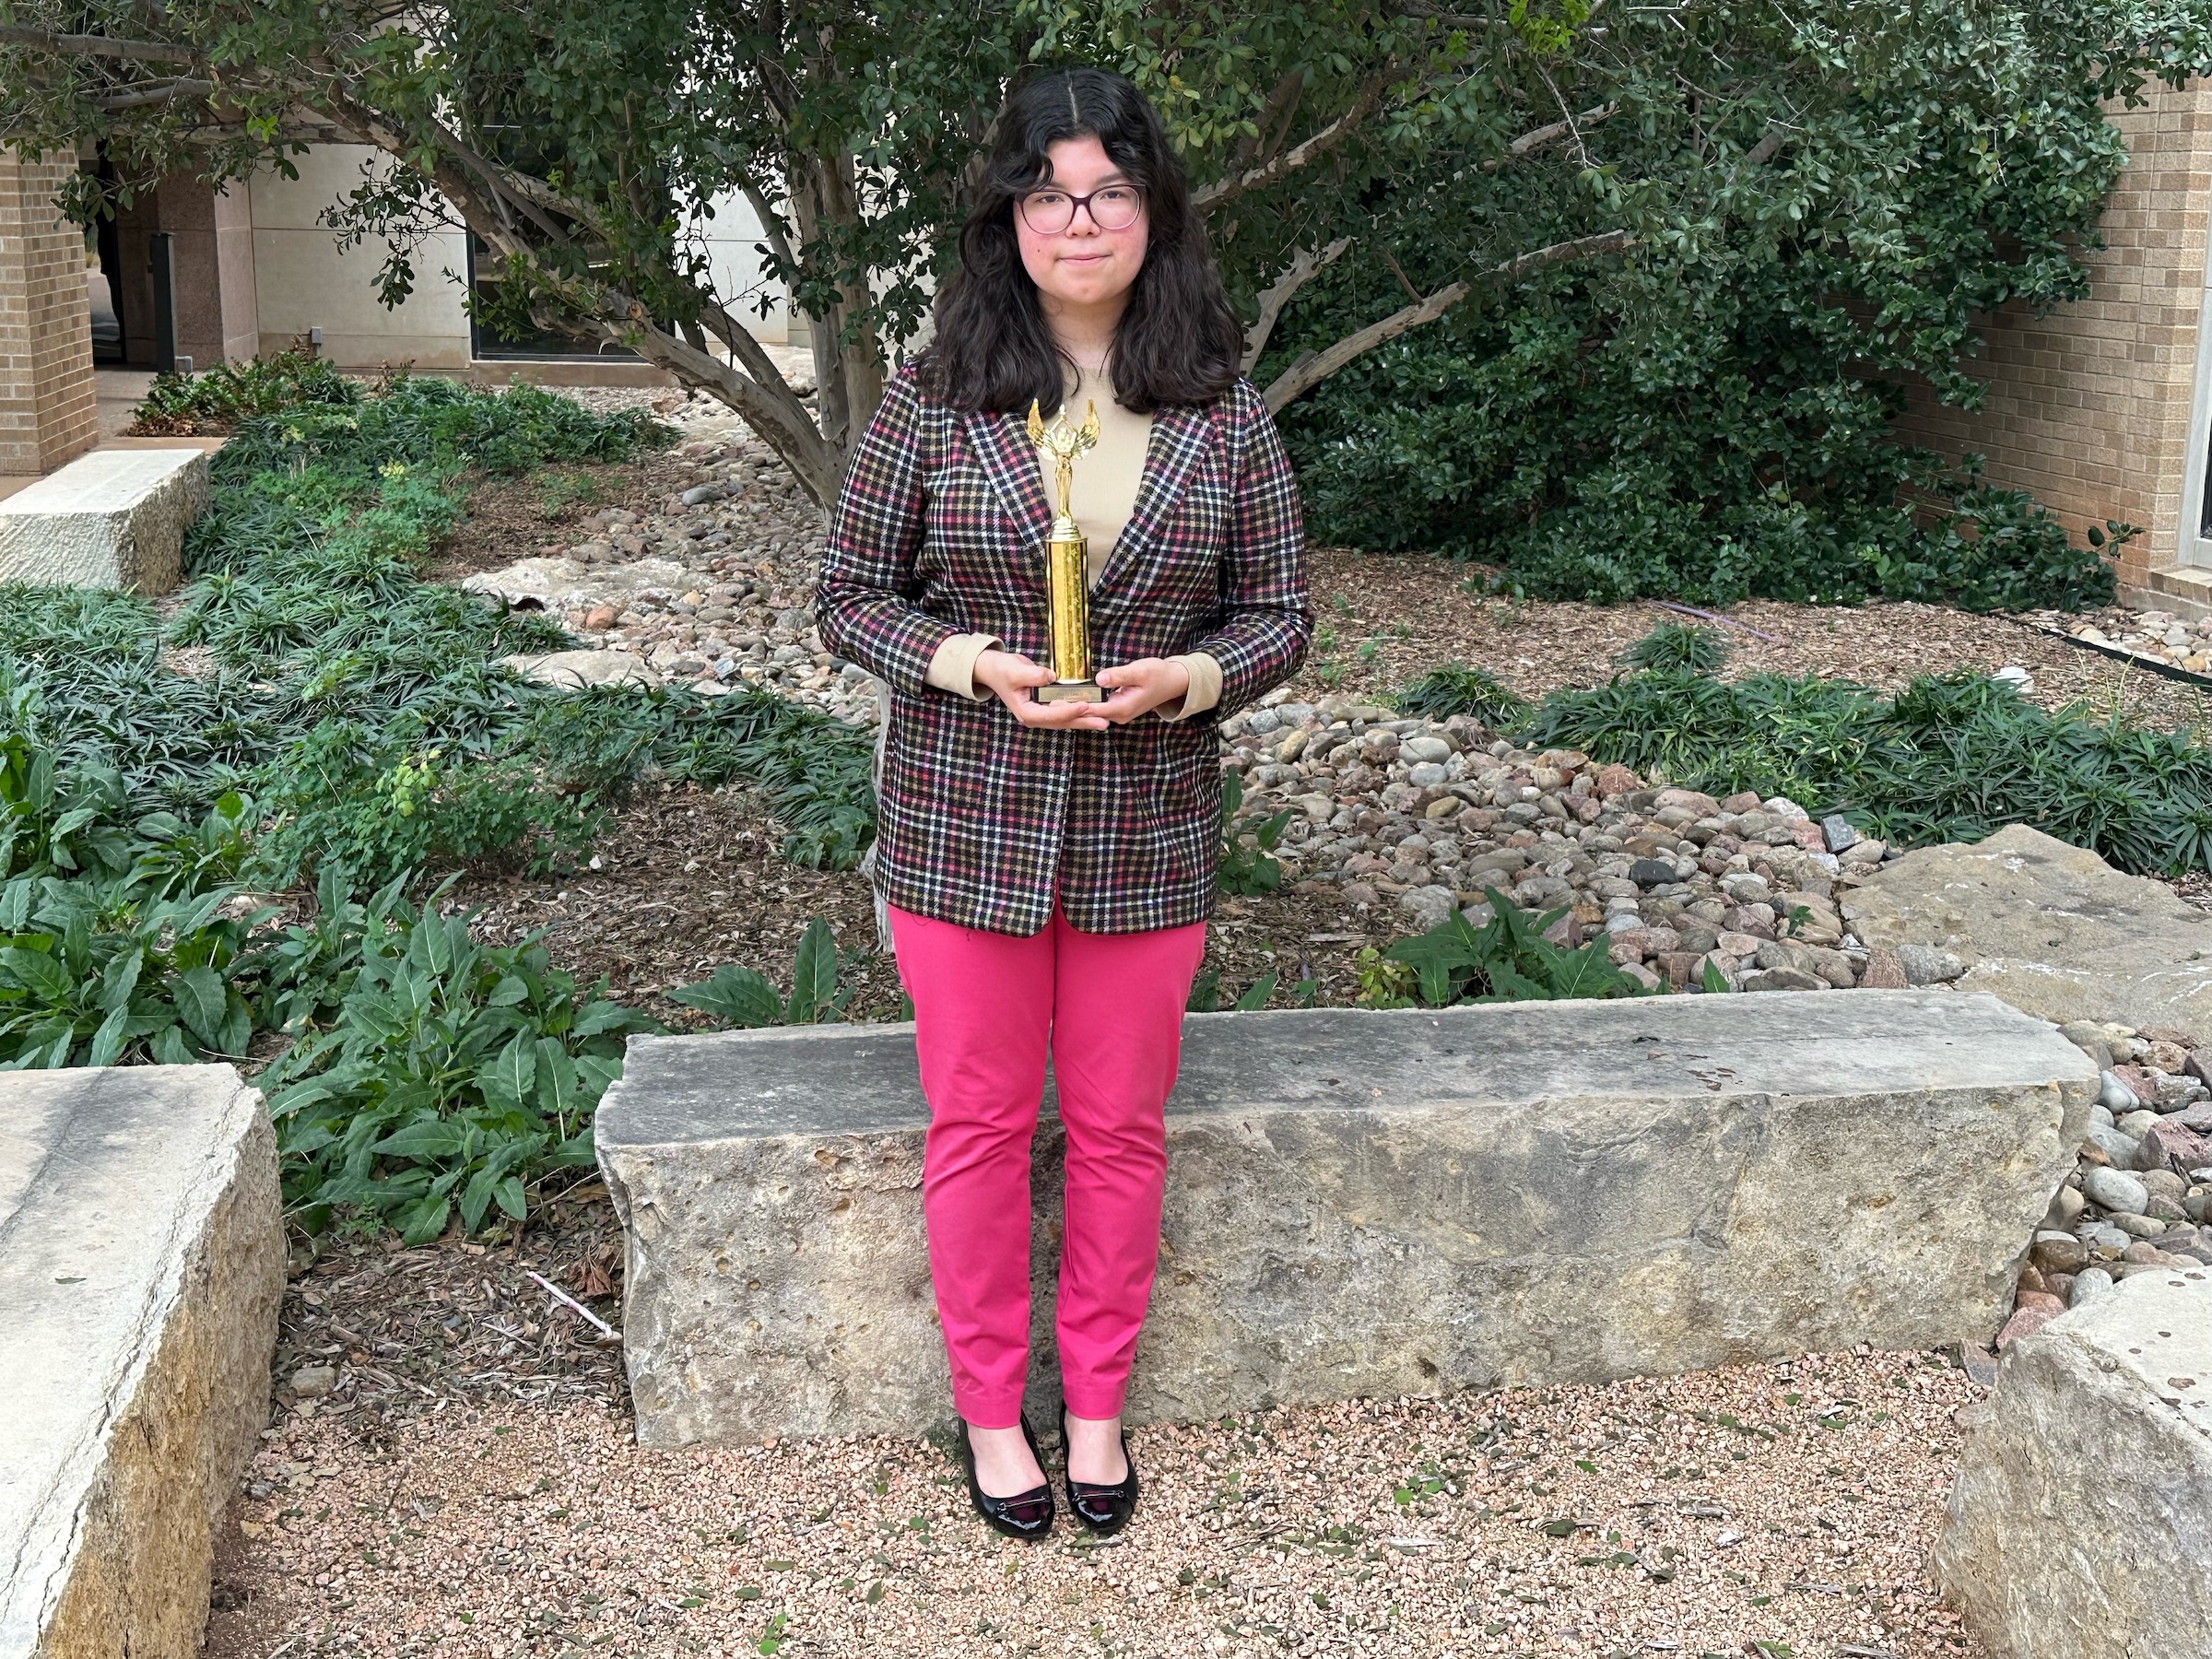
1081 269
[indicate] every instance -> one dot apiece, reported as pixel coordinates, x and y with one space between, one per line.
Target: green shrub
1678 647
1247 865
217 399
119 938
1825 210
454 1073
376 806
1455 688
743 999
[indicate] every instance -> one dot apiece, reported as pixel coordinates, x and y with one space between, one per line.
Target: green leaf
433 1138
37 972
199 995
475 1198
118 981
508 1080
814 975
107 1041
424 1219
557 1092
739 997
1257 995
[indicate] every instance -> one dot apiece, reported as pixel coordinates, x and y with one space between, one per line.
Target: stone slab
2082 1521
113 519
2049 927
141 1265
1364 1203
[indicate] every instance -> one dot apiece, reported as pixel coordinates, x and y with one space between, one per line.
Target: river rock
2115 1191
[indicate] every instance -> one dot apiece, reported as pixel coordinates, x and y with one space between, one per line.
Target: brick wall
2088 408
47 408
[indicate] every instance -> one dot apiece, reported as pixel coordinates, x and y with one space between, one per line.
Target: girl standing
1048 868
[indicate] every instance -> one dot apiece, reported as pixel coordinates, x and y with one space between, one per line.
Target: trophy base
1070 691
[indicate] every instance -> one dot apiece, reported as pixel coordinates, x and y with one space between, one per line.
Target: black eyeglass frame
1074 201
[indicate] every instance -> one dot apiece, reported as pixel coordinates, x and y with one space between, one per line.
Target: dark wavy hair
1178 341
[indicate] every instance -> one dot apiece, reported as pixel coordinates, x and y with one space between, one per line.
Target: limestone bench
1364 1203
113 519
141 1264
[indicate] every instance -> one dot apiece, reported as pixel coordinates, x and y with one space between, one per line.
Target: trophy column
1066 560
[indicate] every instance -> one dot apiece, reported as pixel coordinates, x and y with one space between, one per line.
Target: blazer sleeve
1266 615
865 599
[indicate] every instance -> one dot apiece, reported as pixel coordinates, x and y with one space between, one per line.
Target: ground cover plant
217 398
1506 959
311 716
1950 757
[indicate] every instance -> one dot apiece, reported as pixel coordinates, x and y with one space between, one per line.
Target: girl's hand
1140 687
1013 676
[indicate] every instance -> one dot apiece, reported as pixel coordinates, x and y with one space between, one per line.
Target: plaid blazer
940 529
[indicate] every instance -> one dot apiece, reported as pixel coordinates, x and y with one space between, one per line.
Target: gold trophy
1066 559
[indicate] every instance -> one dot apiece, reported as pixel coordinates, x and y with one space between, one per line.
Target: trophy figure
1065 564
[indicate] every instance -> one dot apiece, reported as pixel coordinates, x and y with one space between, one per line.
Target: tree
1828 200
583 142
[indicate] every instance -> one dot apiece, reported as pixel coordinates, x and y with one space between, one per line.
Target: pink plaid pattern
940 529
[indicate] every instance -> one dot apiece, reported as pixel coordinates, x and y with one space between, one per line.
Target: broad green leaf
107 1043
117 983
507 1081
422 1221
37 972
555 1079
814 975
202 1003
739 997
170 1048
433 1138
1256 997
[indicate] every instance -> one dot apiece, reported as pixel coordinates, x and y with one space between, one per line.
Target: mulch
1383 619
691 878
543 513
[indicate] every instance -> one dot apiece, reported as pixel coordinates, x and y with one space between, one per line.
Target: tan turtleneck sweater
1101 495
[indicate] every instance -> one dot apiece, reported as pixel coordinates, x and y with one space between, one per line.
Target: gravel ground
1778 1509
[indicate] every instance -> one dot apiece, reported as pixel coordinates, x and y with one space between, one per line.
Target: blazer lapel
1180 433
1001 443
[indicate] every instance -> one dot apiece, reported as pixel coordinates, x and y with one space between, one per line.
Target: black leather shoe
1102 1508
1026 1515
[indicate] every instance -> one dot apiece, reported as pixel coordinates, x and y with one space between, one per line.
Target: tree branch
1437 14
1314 367
140 96
77 45
1535 139
1303 268
1363 103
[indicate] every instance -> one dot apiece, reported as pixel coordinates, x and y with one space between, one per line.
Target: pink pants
985 1006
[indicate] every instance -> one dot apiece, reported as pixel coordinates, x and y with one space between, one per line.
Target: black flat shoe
1026 1515
1102 1508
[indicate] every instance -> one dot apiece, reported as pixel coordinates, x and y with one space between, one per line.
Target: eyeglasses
1049 212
